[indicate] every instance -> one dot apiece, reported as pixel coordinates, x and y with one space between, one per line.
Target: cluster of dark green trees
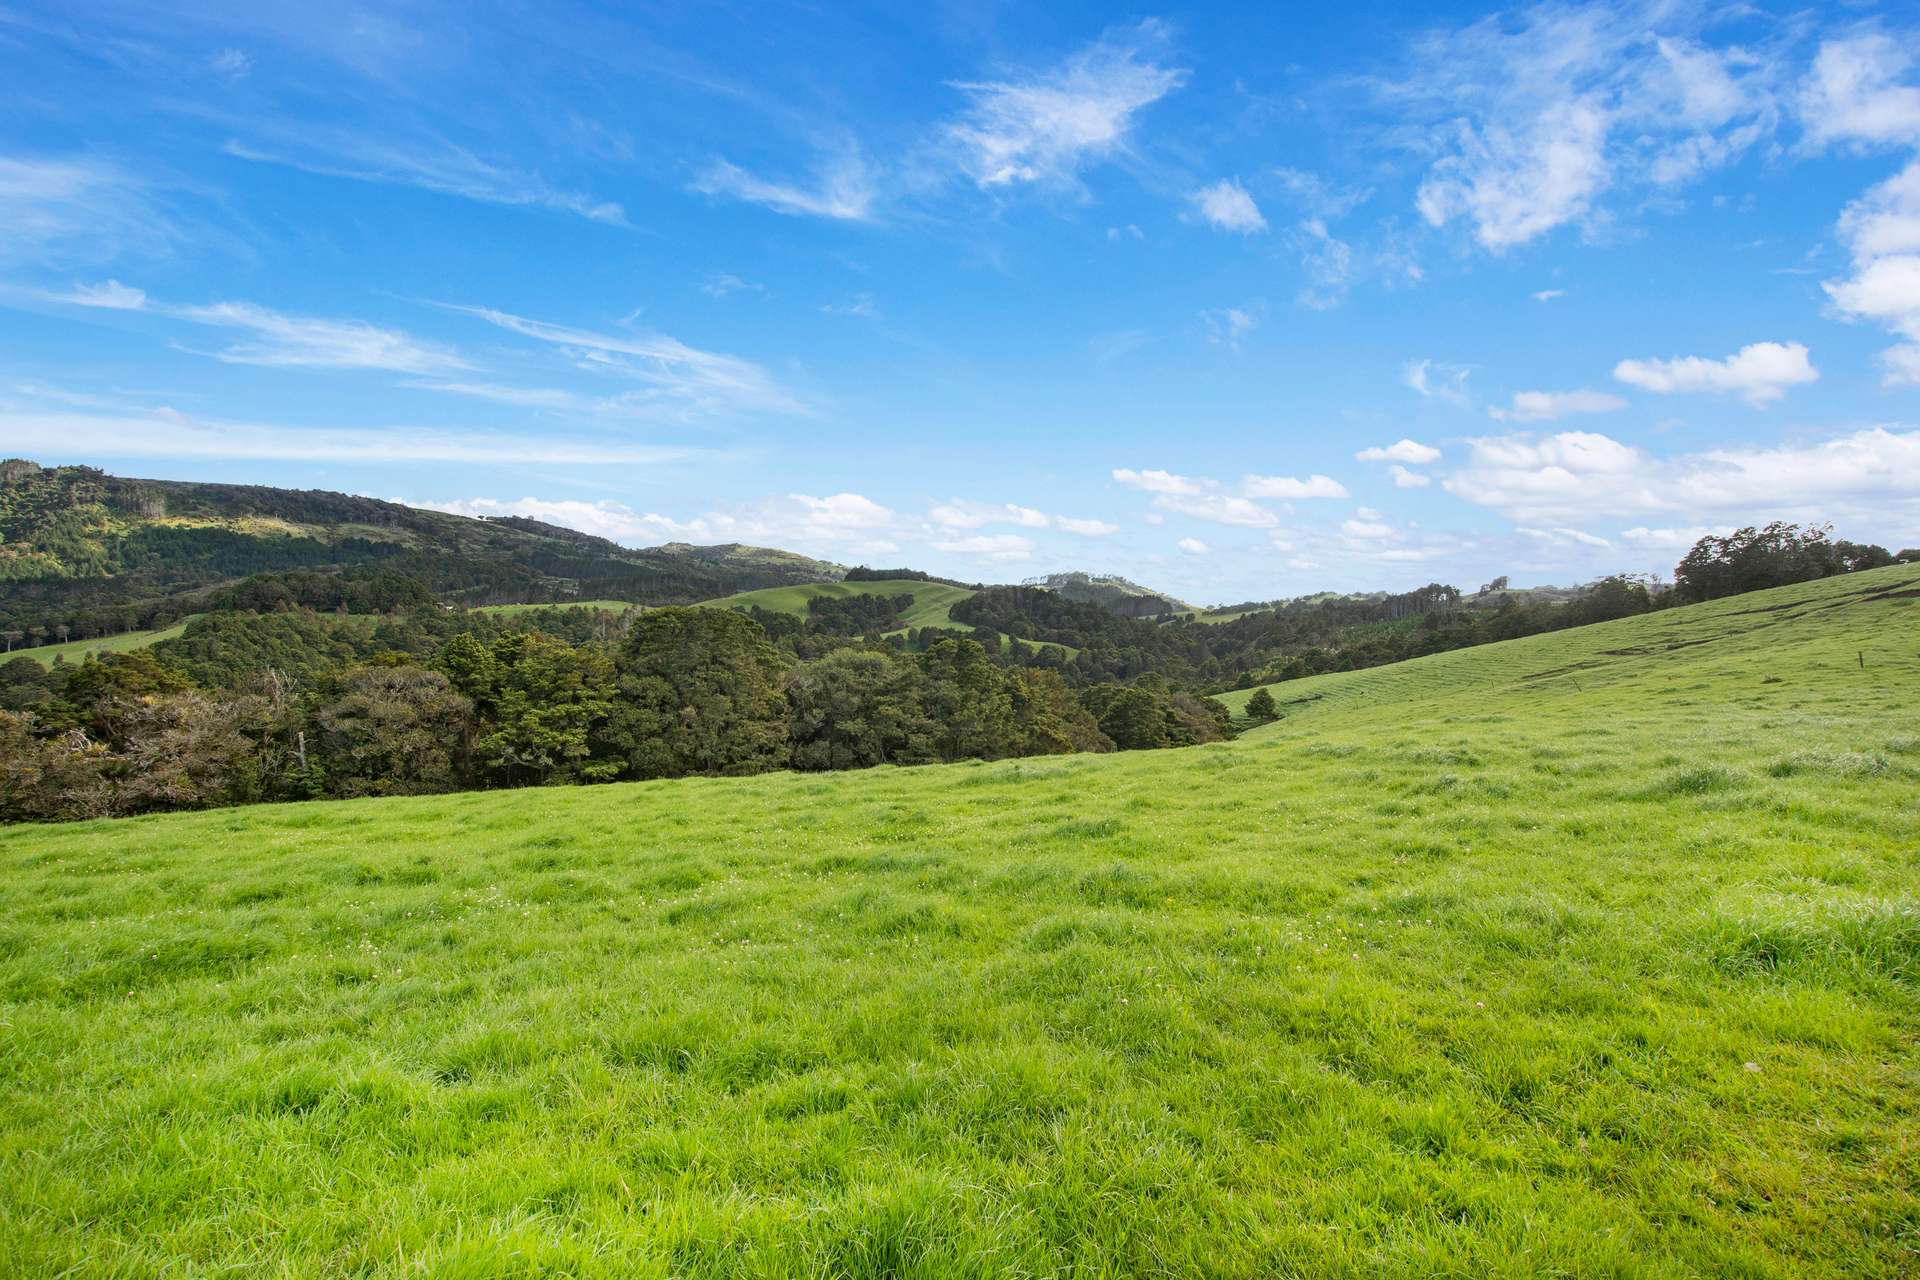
249 707
1753 559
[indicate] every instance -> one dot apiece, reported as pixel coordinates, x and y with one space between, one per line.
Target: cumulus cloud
1882 230
1164 482
1401 451
1759 372
1551 406
1193 546
1853 93
1405 479
1291 487
838 523
1040 127
1086 528
1227 206
1575 477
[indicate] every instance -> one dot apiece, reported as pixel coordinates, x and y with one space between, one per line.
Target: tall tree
700 691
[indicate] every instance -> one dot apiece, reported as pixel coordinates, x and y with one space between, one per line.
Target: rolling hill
1591 953
103 554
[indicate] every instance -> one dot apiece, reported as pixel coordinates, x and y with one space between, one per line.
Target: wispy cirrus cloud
166 433
1530 117
843 186
78 211
678 377
429 164
279 339
1041 126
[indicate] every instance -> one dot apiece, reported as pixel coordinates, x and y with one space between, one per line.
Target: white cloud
234 63
1290 487
1227 206
844 188
1198 498
1319 197
287 341
1328 263
1551 406
1367 530
1853 93
722 283
1759 372
1563 537
1164 482
1401 451
110 296
1669 539
961 514
1193 546
1548 295
1534 115
1040 127
1437 381
1576 477
78 212
1086 528
1882 229
1219 508
679 379
843 523
999 547
165 433
281 340
431 165
1228 325
843 512
1405 479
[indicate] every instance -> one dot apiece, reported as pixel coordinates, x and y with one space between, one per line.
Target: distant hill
102 554
1113 593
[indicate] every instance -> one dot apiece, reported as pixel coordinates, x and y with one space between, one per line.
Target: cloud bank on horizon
1219 303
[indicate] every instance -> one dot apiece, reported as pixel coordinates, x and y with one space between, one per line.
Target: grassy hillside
77 650
1733 637
1589 954
605 606
93 550
931 600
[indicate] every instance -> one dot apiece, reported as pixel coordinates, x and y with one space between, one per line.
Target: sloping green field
1590 954
931 600
605 606
77 650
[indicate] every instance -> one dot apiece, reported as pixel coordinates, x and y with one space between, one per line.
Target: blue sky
1235 301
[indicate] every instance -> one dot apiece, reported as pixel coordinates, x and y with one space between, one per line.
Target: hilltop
1111 592
105 554
1590 952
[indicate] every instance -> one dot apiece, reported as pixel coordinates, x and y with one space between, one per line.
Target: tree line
256 707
